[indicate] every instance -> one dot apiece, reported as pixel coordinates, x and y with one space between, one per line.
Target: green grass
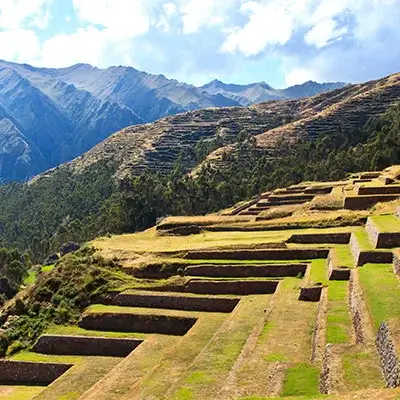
363 239
382 291
301 380
338 318
19 392
276 357
343 256
386 223
361 371
319 271
72 330
32 275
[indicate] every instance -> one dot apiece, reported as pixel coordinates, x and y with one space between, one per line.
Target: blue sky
282 42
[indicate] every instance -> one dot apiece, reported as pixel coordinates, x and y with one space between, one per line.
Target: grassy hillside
262 300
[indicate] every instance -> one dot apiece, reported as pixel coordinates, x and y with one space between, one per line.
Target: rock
51 259
69 247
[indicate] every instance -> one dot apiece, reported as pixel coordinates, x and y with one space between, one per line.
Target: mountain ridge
54 115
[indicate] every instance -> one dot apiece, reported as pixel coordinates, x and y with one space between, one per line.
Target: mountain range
50 116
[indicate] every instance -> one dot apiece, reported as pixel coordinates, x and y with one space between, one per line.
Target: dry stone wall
246 270
310 293
365 190
85 346
269 254
168 325
187 303
355 309
232 287
325 379
367 201
388 356
337 238
30 373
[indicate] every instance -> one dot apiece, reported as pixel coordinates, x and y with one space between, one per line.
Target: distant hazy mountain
255 93
49 116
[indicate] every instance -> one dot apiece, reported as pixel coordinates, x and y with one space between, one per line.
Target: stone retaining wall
337 238
232 287
355 309
310 293
388 356
365 257
365 202
396 261
241 271
187 303
269 254
373 232
85 346
336 272
243 207
169 325
30 373
325 378
388 189
382 240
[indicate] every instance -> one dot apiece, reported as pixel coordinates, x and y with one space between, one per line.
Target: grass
19 392
361 370
216 360
100 308
382 291
32 275
338 321
149 241
319 271
363 239
73 330
301 380
386 223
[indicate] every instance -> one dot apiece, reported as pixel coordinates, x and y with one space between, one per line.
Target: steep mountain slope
157 146
261 91
57 114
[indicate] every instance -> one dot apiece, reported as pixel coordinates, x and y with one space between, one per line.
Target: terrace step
176 301
238 287
387 189
85 345
242 271
383 231
268 254
30 373
136 321
367 201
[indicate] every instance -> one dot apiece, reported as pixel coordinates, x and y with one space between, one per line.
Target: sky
281 42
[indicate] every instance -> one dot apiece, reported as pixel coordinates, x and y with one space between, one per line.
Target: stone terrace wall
382 240
187 303
30 373
365 202
355 309
270 254
232 287
396 262
85 346
246 270
365 257
337 238
168 325
379 190
325 379
373 232
310 293
335 272
388 355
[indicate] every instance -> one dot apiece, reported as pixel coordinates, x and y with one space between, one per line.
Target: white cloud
324 33
197 14
169 9
84 46
15 14
122 19
19 45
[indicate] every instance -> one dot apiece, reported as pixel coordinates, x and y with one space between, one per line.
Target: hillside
50 116
294 295
157 146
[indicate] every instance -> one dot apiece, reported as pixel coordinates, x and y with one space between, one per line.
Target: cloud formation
280 41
